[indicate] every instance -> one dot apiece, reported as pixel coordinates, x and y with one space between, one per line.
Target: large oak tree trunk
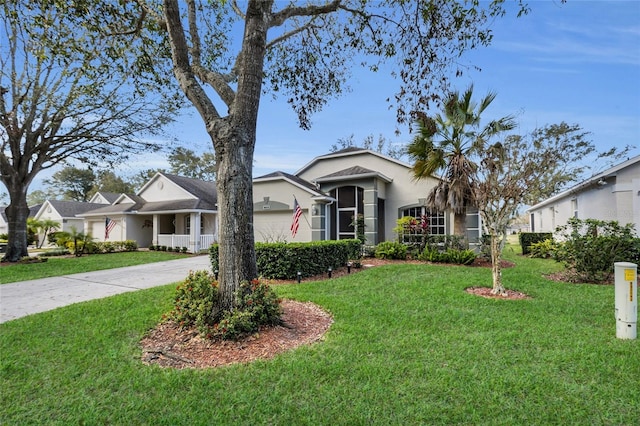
17 213
237 259
234 141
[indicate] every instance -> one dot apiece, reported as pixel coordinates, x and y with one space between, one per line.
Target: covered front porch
194 230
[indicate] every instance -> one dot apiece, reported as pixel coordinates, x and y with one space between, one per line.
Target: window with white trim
436 220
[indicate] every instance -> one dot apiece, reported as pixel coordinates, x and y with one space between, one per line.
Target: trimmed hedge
285 260
528 238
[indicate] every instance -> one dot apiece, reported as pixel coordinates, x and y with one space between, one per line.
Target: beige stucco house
169 210
66 213
332 189
613 194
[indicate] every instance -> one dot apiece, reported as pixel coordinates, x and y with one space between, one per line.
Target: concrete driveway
30 297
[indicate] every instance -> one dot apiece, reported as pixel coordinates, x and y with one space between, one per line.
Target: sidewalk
30 297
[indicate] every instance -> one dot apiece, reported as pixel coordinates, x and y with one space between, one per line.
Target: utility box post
626 275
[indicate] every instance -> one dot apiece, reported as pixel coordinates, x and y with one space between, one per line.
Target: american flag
108 226
297 211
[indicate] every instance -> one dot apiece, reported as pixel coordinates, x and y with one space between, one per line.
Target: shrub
129 245
285 260
258 306
528 238
455 256
391 250
107 247
590 247
196 296
194 301
543 249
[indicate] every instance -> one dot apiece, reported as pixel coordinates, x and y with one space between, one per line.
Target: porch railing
173 240
178 240
206 240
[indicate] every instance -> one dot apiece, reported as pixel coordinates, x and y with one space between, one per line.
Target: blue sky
577 62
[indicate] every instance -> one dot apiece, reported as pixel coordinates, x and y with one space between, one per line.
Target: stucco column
194 232
155 229
371 216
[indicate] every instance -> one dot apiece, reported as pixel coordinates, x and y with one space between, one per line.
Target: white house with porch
169 210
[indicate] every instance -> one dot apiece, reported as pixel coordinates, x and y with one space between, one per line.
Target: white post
626 299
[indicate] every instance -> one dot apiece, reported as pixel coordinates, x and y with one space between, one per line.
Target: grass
408 346
57 266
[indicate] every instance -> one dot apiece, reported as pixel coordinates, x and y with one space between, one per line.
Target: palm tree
450 144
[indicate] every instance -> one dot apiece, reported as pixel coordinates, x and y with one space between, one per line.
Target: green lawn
408 346
57 266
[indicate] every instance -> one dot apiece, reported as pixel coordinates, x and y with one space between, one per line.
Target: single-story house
4 225
65 213
332 192
169 210
334 189
613 194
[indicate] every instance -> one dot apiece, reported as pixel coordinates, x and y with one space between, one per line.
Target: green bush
391 250
543 249
258 305
528 238
285 260
196 296
129 245
194 301
590 247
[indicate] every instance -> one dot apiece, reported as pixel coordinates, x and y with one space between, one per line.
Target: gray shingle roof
205 191
352 172
73 208
293 178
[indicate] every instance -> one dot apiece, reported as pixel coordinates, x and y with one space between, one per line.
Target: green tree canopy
185 162
78 79
71 183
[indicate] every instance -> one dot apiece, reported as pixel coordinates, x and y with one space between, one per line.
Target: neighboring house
168 210
65 213
104 197
611 195
333 189
4 225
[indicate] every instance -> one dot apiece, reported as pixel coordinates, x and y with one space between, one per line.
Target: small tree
511 170
42 228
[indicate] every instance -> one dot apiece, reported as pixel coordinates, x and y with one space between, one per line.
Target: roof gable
355 172
294 180
104 197
585 184
67 209
350 152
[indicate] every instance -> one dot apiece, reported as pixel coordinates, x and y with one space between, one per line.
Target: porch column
155 230
194 232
